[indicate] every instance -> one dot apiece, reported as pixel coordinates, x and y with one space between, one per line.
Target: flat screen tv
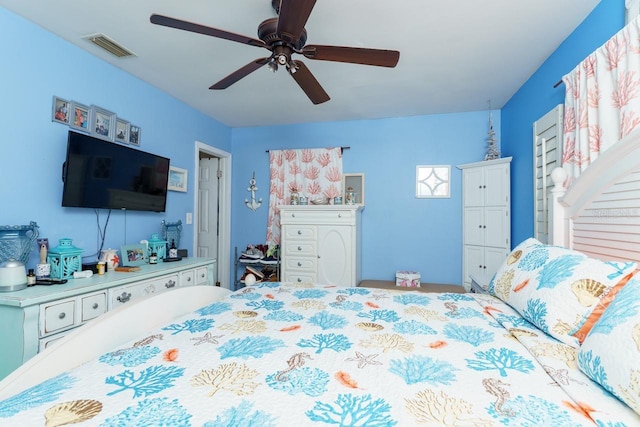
105 175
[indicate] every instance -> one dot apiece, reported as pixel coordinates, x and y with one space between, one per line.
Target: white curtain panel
602 100
312 172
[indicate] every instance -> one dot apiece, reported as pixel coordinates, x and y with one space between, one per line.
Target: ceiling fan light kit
284 36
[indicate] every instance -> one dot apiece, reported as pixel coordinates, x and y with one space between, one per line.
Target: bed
555 342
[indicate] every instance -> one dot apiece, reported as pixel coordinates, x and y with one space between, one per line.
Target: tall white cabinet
320 244
486 217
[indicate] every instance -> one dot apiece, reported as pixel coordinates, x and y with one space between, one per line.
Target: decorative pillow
557 288
610 354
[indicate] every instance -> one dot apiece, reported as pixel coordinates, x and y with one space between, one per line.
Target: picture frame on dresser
355 182
133 255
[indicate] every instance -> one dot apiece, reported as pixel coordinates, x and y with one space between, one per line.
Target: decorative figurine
253 204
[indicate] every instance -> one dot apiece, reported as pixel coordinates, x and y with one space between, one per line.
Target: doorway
212 217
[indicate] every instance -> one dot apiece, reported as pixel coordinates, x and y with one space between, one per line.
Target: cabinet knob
484 226
124 297
95 305
62 315
299 232
480 266
339 215
293 215
170 284
480 226
299 279
484 186
480 187
299 264
299 248
189 279
484 267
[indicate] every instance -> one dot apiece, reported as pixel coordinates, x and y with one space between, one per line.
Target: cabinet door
473 191
473 262
473 230
335 255
493 259
496 183
496 227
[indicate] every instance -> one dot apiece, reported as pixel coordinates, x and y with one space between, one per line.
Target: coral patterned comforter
293 355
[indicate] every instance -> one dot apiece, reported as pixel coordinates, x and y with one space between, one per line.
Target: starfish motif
378 297
364 360
207 338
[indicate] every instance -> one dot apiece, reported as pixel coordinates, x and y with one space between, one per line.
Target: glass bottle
31 277
173 251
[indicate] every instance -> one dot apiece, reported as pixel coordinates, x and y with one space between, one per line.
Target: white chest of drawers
33 318
321 244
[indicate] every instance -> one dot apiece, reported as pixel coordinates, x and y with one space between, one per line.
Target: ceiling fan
284 36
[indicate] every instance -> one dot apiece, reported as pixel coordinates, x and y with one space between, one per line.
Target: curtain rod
341 148
557 84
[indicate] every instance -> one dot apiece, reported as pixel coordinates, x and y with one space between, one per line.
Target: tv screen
105 175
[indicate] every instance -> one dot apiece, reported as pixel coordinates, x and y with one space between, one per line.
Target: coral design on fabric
232 377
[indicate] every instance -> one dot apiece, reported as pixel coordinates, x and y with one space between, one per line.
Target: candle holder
64 259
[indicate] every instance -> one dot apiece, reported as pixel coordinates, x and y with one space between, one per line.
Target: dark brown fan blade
240 73
309 84
202 29
292 18
354 55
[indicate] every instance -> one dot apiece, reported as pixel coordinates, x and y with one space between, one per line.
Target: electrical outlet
189 217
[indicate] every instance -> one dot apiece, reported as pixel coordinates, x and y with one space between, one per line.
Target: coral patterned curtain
602 102
312 172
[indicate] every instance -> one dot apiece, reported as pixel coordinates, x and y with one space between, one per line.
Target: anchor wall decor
253 204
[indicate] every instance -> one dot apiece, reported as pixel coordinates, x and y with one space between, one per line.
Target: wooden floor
424 287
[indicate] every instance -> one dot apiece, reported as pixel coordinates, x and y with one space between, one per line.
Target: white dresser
321 244
486 217
33 318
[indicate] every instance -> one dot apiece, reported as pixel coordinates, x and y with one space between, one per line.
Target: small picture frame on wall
122 131
103 123
133 255
80 116
60 111
134 134
177 179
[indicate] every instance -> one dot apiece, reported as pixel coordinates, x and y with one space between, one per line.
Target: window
432 181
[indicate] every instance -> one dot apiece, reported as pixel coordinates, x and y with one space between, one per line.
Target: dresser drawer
202 276
299 277
299 232
301 264
93 306
57 316
300 248
124 294
325 216
188 278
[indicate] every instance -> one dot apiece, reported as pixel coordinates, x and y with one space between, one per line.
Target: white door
208 207
335 247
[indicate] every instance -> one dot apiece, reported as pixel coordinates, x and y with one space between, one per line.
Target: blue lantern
157 245
64 259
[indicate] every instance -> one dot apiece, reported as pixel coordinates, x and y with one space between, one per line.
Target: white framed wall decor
353 189
433 181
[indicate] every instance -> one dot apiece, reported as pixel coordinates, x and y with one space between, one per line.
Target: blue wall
399 232
537 96
36 66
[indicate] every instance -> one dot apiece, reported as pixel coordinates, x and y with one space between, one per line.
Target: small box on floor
408 278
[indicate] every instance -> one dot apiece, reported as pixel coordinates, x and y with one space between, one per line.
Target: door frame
224 217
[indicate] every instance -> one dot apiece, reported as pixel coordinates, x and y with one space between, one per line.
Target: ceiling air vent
109 45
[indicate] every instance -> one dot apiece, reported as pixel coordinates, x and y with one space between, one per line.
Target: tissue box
408 278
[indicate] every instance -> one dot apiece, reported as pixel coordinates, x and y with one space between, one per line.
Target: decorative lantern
157 245
64 259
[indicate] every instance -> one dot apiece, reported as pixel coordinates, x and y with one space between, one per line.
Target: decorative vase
110 258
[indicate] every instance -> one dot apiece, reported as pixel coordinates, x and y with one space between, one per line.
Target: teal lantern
158 245
64 259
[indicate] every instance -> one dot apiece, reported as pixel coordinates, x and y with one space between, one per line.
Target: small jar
31 277
153 258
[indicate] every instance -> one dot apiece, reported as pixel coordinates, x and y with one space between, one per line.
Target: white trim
224 217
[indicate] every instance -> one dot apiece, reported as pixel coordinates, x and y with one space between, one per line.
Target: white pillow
556 288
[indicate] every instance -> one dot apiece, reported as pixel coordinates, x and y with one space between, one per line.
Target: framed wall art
353 189
103 123
134 135
132 255
80 116
122 131
60 110
433 181
177 179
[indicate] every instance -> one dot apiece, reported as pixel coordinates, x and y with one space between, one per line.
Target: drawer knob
188 279
95 305
299 232
202 275
124 297
170 284
299 279
293 215
339 215
299 248
299 264
62 315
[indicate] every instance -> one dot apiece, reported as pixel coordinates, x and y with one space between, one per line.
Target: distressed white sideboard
33 318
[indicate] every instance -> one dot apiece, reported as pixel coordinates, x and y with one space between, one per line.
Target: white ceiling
455 56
